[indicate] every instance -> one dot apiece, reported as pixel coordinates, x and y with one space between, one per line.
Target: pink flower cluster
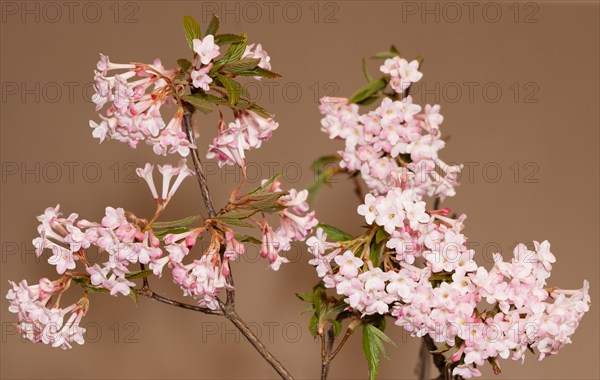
39 322
257 51
402 73
134 100
205 50
295 224
521 315
123 241
422 271
248 131
395 145
204 278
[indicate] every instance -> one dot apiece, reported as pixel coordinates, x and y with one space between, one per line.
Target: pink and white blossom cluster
395 145
133 100
248 131
41 322
414 263
69 238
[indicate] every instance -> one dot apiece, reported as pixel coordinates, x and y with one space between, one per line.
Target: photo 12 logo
52 12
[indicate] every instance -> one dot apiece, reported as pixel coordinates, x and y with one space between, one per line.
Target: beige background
549 128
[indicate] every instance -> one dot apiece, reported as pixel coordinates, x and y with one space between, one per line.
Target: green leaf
259 72
260 111
233 93
380 235
184 64
199 102
241 65
337 327
247 239
266 202
333 233
366 71
323 162
394 50
192 30
384 55
367 90
265 185
177 223
322 178
234 53
236 214
370 100
162 233
213 26
375 252
134 296
312 325
372 344
93 289
139 274
222 39
306 297
235 222
211 98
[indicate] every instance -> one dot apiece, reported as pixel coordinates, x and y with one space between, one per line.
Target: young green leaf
313 325
384 55
177 223
321 179
265 185
259 72
236 214
368 90
260 111
139 274
223 39
372 344
247 239
323 162
337 327
366 71
306 297
192 30
234 222
234 53
134 296
333 233
199 102
162 233
213 26
241 65
233 93
380 235
184 64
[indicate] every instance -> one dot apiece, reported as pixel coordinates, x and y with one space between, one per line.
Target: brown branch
230 314
227 308
150 294
200 176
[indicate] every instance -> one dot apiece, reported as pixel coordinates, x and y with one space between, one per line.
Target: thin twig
323 357
230 314
200 176
227 308
150 294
